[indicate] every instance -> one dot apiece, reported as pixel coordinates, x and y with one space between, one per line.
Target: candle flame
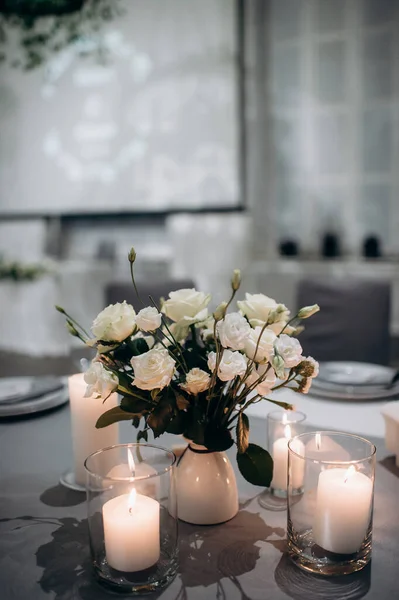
130 460
131 500
287 432
318 441
349 473
284 420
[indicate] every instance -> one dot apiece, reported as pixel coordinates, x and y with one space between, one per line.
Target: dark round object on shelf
288 248
372 247
330 247
39 8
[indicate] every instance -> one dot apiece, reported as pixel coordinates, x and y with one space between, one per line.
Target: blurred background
209 134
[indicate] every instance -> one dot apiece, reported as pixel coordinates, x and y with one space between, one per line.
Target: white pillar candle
131 532
85 412
280 462
390 412
343 510
147 484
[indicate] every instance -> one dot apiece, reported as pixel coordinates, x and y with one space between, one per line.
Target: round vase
206 487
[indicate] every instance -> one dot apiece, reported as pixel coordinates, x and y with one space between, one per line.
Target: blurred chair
118 292
353 322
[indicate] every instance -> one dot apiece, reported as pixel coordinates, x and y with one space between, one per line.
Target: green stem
175 342
77 324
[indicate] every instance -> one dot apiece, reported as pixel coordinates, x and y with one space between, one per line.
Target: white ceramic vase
206 487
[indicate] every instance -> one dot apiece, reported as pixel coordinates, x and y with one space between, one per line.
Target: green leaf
256 465
160 417
123 353
142 435
138 346
242 432
181 402
135 406
178 424
155 393
136 422
113 415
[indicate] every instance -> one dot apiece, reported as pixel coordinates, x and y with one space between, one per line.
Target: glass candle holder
329 524
282 425
132 517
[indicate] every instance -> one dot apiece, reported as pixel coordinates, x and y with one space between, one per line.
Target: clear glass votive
329 525
132 517
282 425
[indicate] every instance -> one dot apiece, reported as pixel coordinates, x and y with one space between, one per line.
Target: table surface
44 550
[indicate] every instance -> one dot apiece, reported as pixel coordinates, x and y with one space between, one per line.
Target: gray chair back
119 291
353 323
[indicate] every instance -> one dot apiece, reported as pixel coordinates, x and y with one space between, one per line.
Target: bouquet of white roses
182 370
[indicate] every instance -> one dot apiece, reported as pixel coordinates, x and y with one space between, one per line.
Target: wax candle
147 484
280 462
343 510
131 532
86 439
390 412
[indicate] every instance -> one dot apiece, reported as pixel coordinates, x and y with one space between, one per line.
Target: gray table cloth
44 552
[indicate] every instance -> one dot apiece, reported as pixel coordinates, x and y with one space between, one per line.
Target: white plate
355 373
35 405
17 389
332 391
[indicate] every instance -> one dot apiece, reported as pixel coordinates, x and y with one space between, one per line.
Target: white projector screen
155 129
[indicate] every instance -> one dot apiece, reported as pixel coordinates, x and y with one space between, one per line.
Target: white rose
99 380
148 319
186 305
257 307
197 381
231 364
233 331
265 347
115 323
265 387
153 369
289 349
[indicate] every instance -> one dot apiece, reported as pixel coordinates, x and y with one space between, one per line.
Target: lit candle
343 510
131 532
147 484
280 462
85 412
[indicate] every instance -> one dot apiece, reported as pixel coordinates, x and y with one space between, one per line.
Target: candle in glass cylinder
343 510
85 412
280 462
131 532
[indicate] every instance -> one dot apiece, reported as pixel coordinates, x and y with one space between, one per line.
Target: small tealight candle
131 532
343 510
280 462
